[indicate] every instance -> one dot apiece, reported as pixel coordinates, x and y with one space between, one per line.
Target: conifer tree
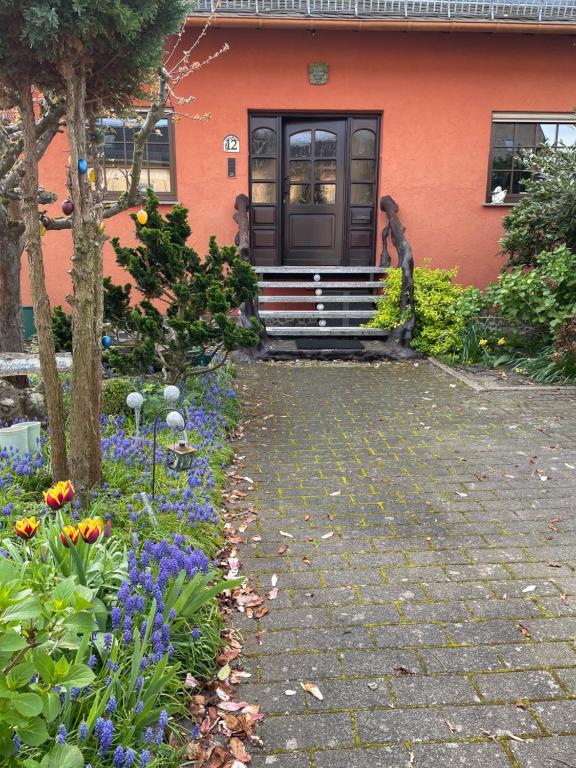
184 320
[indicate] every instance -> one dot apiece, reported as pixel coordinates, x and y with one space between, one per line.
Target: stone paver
429 582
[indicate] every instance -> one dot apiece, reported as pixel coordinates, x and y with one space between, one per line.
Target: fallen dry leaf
282 549
273 594
327 535
284 533
237 748
313 690
524 631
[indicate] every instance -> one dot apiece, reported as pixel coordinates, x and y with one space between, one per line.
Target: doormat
321 343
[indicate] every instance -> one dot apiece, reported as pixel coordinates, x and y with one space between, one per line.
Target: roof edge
221 20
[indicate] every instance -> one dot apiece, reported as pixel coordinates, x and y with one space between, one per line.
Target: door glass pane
325 144
263 141
300 194
567 134
525 133
263 169
546 133
324 193
363 143
502 157
263 193
300 144
363 170
325 170
362 193
300 170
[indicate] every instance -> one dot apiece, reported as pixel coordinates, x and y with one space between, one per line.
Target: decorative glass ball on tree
106 342
142 216
67 207
82 166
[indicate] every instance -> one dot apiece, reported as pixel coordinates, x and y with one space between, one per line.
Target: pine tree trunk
40 300
86 301
11 245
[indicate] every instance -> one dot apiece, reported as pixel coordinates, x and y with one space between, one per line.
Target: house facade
321 107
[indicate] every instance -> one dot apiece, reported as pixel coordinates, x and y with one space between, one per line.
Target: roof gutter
384 25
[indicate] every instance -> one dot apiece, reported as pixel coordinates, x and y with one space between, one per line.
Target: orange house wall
436 92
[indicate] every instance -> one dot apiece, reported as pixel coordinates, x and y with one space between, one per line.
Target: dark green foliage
198 296
116 42
546 216
61 329
114 394
116 300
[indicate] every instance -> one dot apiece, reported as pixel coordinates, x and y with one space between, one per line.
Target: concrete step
320 270
320 284
352 330
369 298
288 314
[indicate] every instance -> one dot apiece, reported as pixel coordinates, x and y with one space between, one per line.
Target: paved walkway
428 587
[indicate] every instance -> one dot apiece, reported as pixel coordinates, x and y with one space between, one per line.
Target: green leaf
45 667
30 608
80 622
27 704
52 707
11 641
35 733
63 756
64 591
79 676
20 675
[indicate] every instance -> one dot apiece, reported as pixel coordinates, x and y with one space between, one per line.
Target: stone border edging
513 388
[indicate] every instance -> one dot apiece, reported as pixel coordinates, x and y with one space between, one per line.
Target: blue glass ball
82 166
106 342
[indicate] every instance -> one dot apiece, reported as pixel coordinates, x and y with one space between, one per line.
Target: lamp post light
135 401
180 454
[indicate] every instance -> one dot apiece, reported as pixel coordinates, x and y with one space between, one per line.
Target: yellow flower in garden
483 342
60 494
501 341
90 528
26 527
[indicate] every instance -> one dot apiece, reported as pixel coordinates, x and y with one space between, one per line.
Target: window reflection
301 144
363 143
263 141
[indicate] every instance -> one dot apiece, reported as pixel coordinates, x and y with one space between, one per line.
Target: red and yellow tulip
60 494
69 534
26 527
90 529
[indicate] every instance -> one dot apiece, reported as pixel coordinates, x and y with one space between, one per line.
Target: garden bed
108 615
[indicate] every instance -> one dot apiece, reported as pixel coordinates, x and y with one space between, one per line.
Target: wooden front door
313 192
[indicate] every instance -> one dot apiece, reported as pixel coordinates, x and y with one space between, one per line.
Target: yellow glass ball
101 227
92 176
42 230
142 216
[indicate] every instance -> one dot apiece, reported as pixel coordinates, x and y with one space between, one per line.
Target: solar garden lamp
171 394
180 454
135 402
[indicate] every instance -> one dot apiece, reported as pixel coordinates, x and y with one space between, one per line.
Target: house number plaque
317 73
231 143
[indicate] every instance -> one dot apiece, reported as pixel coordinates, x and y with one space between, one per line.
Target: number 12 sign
231 143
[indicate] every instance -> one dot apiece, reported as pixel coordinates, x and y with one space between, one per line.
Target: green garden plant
545 217
197 331
438 324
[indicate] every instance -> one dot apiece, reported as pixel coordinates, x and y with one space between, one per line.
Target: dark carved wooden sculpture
242 242
403 332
